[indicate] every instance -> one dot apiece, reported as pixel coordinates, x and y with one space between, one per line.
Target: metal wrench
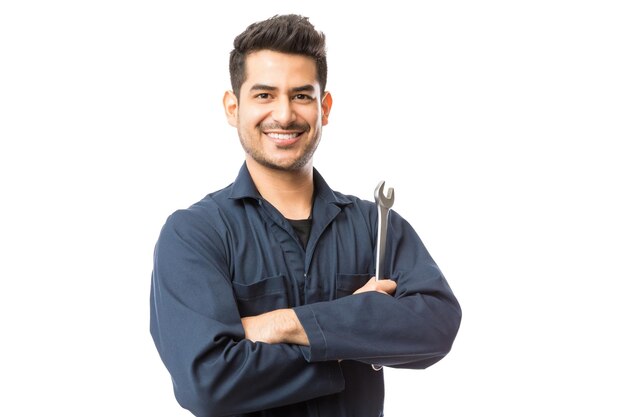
383 203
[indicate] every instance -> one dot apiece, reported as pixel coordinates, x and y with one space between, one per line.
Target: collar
244 187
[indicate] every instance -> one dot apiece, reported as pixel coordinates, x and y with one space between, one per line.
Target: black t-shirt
303 229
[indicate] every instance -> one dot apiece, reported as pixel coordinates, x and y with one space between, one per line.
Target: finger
384 286
369 286
387 286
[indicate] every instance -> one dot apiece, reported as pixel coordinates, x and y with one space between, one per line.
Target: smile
283 136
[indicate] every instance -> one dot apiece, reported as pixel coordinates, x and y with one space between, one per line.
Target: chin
286 166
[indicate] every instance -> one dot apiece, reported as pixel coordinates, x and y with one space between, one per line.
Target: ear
327 103
230 107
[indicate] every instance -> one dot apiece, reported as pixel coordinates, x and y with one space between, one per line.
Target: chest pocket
348 283
262 296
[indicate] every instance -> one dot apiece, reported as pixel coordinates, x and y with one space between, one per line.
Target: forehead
279 69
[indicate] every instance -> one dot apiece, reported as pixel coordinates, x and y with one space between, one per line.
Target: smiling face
280 110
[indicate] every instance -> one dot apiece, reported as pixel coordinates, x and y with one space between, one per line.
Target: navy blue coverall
233 255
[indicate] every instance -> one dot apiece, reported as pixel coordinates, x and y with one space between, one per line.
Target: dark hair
291 34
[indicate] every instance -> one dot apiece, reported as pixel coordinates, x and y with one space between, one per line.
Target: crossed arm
283 325
202 338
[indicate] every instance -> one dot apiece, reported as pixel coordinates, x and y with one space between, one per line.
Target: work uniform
233 255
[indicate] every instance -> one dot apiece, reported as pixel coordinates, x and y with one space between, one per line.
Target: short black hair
291 34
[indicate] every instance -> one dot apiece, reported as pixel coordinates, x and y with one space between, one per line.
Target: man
263 301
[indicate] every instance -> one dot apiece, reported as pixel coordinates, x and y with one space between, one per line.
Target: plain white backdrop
500 124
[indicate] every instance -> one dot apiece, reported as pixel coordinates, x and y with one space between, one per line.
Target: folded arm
414 328
199 334
283 325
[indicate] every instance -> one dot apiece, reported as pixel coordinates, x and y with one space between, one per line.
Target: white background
499 124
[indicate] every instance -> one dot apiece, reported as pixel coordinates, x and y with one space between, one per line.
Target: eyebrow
307 88
304 88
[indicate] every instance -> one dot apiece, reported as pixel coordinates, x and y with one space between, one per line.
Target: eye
263 96
302 97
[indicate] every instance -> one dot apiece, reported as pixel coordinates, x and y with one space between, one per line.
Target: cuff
316 351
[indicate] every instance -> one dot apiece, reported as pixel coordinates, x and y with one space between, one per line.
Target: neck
290 192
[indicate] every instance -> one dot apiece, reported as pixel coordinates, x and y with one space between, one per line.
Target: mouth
282 139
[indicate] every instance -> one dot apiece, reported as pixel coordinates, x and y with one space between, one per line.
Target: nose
283 112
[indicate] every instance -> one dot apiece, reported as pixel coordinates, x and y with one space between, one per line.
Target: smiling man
280 110
263 301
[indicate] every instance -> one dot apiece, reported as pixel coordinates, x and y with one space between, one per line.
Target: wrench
383 203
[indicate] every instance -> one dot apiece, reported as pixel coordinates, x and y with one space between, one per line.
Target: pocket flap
266 286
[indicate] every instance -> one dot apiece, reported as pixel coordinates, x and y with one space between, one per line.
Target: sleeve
413 329
196 327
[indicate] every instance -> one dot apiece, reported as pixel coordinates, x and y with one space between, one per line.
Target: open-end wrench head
380 197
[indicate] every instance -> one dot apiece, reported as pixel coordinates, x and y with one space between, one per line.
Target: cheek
312 116
252 116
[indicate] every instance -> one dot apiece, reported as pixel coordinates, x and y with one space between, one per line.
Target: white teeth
282 136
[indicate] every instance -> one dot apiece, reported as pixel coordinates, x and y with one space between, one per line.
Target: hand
278 326
384 286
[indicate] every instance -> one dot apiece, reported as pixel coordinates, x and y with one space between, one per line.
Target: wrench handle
381 241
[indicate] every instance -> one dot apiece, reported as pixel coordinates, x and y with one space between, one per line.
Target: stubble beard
262 159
